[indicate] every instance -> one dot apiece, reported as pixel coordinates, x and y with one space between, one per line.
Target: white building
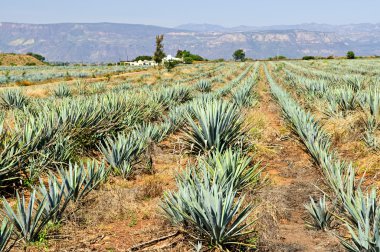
171 58
141 63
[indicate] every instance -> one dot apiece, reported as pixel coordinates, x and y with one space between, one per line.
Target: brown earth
293 178
7 59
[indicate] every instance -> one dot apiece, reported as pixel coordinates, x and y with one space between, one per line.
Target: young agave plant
29 220
320 214
62 91
14 99
123 151
56 198
217 126
232 167
214 212
5 235
80 180
204 86
154 132
244 97
363 223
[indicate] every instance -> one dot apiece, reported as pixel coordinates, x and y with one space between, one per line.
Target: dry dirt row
292 179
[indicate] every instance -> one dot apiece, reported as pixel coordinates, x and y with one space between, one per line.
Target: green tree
350 55
239 55
143 57
37 56
159 54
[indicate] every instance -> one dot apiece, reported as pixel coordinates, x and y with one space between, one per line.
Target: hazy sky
175 12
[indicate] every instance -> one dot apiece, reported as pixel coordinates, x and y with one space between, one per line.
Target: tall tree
159 54
239 55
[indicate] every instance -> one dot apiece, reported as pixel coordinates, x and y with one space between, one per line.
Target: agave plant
62 91
232 167
320 214
204 86
218 126
363 223
5 235
154 132
55 196
243 96
28 220
14 98
80 180
214 212
122 151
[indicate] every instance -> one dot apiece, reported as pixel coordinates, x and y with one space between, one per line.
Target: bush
350 55
170 64
308 57
187 60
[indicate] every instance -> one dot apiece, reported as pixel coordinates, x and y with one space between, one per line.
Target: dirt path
292 178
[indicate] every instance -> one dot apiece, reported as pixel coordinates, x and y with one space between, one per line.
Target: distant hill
104 42
7 59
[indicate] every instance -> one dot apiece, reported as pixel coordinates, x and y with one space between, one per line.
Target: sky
171 13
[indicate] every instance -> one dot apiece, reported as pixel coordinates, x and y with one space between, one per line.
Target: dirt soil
293 178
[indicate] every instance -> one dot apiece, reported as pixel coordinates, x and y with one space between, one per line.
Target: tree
308 57
350 55
187 55
159 54
239 55
37 56
142 57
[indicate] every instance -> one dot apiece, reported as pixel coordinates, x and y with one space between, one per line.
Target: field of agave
9 74
81 143
330 105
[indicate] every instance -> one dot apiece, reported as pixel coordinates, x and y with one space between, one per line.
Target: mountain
105 42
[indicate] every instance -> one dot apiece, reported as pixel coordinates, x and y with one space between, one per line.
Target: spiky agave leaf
5 235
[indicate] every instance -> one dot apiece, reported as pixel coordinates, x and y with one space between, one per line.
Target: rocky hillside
103 42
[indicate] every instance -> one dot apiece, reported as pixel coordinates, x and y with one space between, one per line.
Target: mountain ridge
111 42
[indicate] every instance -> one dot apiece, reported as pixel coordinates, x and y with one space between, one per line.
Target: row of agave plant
359 210
122 152
43 73
346 96
49 201
48 133
209 204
